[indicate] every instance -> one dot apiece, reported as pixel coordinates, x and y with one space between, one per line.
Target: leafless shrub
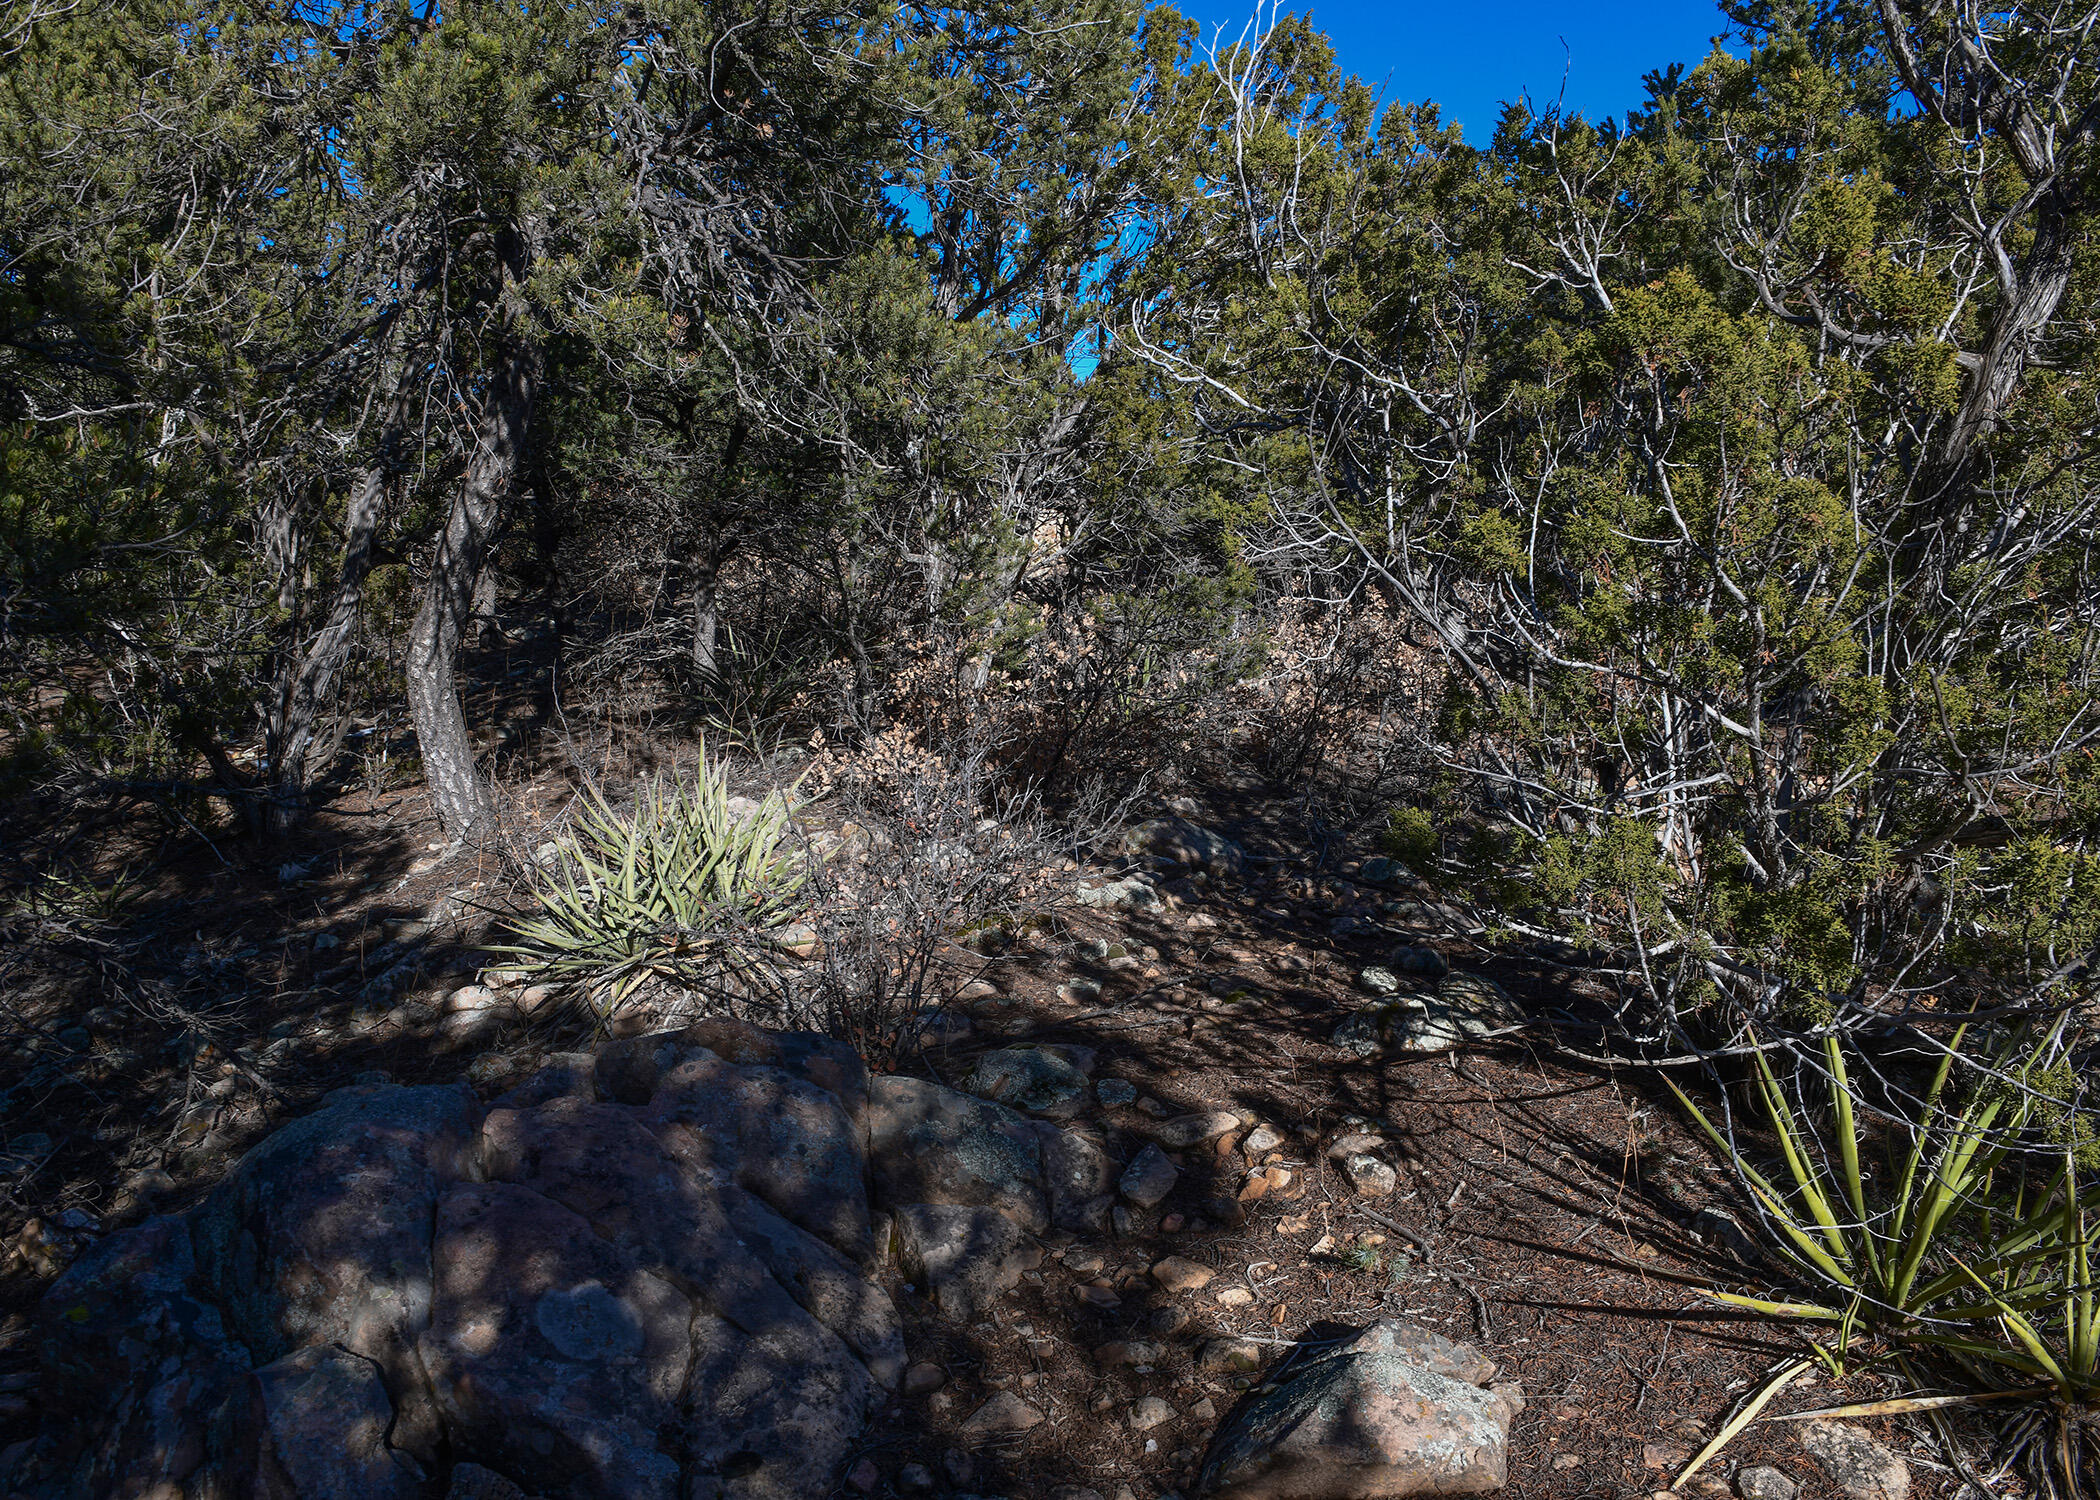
922 861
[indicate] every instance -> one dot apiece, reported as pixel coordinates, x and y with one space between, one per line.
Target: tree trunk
456 788
484 600
707 617
707 565
298 753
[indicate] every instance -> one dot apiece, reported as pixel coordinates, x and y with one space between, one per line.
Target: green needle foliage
1976 1242
680 889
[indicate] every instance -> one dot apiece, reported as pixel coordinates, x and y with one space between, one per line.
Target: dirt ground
1557 1213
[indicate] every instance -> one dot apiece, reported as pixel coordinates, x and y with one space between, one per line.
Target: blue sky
1468 55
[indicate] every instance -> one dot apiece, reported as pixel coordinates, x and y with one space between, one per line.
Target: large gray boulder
1391 1411
644 1274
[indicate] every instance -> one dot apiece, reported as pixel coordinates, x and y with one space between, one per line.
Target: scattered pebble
1004 1413
1230 1355
1149 1177
1149 1413
1369 1176
1763 1482
1179 1274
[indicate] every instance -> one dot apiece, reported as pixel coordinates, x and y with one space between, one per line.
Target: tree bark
707 617
298 751
707 565
457 790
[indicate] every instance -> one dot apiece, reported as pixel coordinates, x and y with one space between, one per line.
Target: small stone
1370 1177
1169 1320
1566 1461
471 997
1263 1138
1128 1352
1665 1455
1378 980
1149 1413
1083 1262
1275 1181
1079 991
149 1183
1230 1356
1193 1130
1763 1482
1351 1142
1203 1411
1235 1296
864 1477
1115 1092
1098 1296
1005 1413
1856 1464
923 1379
1179 1274
1149 1177
915 1479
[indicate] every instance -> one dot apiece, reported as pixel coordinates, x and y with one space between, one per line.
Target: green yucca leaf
663 890
1959 1253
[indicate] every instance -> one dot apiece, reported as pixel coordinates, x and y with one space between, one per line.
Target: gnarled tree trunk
456 788
298 750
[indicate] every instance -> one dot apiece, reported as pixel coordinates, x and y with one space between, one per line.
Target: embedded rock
535 1321
1465 1007
1079 1180
324 1418
1132 893
1856 1464
1035 1079
322 1235
964 1256
1763 1482
1394 1411
1149 1177
1190 845
638 1274
931 1144
1195 1130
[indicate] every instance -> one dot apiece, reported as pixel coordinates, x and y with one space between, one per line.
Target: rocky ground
1320 1099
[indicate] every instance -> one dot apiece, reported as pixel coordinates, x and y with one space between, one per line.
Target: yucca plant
679 889
1977 1246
